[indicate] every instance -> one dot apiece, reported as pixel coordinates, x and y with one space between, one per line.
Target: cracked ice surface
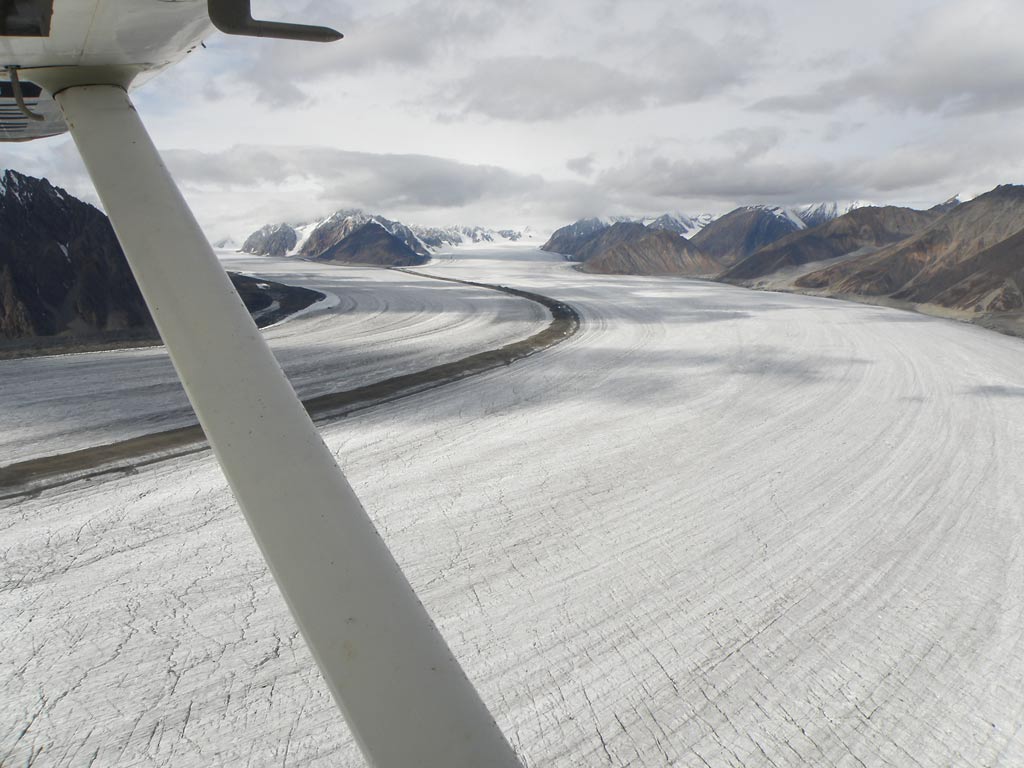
383 323
716 527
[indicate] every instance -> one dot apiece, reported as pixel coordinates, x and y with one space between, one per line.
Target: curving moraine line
31 477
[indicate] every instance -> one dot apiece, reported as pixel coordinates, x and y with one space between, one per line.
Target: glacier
714 527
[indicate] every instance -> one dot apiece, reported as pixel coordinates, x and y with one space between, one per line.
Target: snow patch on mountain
680 223
816 214
302 233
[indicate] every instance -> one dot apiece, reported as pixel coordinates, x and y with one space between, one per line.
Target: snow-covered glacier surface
716 527
374 324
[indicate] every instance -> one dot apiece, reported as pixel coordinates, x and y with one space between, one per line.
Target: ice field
375 325
716 527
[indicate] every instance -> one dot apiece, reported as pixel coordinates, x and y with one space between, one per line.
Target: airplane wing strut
405 697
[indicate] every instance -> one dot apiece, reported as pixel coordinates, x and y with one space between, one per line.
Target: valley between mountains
715 527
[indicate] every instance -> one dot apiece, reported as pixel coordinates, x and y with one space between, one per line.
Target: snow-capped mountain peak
816 214
783 213
681 223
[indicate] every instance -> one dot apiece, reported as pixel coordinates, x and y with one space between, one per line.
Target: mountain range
711 242
65 283
726 239
964 260
356 237
860 228
63 276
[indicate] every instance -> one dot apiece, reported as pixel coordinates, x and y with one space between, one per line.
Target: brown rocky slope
630 248
945 246
860 228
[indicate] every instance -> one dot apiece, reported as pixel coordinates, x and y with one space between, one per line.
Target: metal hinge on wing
234 17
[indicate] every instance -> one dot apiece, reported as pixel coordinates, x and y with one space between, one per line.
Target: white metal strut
403 694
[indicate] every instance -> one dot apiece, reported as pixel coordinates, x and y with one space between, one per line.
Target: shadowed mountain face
374 245
569 238
316 238
944 249
670 224
61 267
681 223
271 240
326 242
740 233
629 248
63 273
861 228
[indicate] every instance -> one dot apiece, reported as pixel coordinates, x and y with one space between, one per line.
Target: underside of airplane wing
46 42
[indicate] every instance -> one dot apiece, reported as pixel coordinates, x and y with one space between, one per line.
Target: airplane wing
69 65
130 39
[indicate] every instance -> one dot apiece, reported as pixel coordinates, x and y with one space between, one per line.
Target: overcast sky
516 112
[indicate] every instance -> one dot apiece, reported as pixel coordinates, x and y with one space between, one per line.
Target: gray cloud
758 173
285 74
835 130
542 88
748 143
584 166
749 165
269 184
361 179
732 179
964 58
679 67
676 67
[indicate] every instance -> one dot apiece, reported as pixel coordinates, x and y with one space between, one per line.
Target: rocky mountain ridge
61 267
962 259
731 238
864 227
628 247
816 214
720 240
408 245
635 245
64 280
679 223
913 269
